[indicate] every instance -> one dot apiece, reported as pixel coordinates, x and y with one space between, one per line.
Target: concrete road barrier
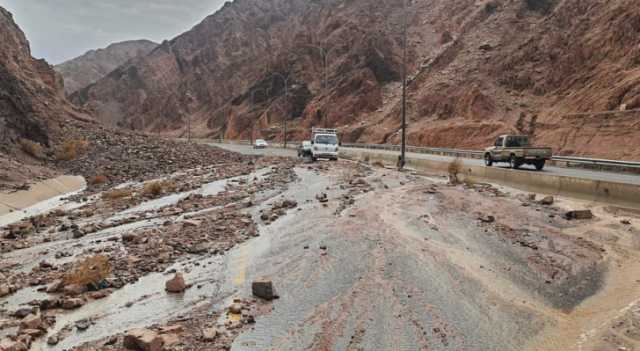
619 194
39 192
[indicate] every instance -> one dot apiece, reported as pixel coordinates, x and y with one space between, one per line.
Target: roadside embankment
610 192
39 192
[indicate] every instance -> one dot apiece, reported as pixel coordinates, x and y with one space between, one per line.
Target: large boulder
176 284
263 289
143 340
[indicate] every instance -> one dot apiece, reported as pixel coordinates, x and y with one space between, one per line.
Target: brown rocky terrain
31 99
42 134
84 70
477 69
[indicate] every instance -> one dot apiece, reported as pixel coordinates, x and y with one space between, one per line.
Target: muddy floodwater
361 257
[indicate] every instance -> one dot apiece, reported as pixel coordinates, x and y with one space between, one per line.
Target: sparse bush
455 167
32 148
116 194
378 164
71 149
157 188
490 7
91 270
99 179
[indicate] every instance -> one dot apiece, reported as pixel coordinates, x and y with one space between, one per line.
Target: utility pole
286 99
404 86
189 100
325 80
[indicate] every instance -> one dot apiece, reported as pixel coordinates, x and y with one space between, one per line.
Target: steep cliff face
31 98
82 71
477 69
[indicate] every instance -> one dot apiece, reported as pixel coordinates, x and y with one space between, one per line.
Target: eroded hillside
477 69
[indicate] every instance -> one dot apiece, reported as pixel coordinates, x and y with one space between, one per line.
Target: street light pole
404 86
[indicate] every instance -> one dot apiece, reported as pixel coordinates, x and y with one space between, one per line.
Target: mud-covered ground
362 257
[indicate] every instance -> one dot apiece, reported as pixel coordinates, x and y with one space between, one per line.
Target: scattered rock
143 340
6 290
486 218
263 289
128 237
70 304
32 321
74 289
235 308
191 223
53 340
23 312
176 284
55 287
547 201
10 345
209 334
581 214
625 222
323 198
83 325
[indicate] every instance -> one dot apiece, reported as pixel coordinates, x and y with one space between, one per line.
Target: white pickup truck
325 144
517 151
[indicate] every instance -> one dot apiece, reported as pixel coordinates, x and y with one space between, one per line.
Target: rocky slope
42 134
31 99
82 71
477 69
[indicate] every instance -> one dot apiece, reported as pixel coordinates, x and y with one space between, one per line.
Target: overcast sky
59 30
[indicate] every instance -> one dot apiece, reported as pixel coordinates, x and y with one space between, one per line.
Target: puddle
208 189
151 304
58 202
30 257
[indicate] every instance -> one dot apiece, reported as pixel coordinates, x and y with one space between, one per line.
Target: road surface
409 266
567 172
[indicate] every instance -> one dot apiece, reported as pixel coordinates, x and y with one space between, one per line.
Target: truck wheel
488 160
539 165
513 162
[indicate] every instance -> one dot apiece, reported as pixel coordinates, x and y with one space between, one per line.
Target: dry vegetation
98 179
71 149
157 188
91 270
32 148
116 194
455 167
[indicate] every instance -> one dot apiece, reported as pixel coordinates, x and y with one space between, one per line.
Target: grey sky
62 29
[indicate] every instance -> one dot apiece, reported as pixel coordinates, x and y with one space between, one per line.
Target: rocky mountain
31 97
554 69
82 71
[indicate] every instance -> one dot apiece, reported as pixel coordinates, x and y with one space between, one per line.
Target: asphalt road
567 172
404 269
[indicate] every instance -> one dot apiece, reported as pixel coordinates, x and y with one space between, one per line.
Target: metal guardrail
568 161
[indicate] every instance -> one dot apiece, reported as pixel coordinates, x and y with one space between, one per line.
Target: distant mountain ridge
477 69
85 70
